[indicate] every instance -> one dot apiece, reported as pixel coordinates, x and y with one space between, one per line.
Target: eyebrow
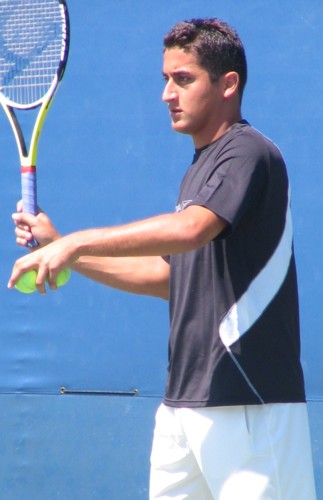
178 72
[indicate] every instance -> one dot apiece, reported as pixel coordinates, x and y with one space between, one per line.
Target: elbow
198 226
163 294
194 237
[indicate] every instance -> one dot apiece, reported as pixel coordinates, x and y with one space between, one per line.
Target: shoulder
252 141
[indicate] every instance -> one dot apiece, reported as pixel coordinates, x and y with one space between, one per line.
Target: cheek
202 100
201 108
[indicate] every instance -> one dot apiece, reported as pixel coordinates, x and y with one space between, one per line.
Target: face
195 102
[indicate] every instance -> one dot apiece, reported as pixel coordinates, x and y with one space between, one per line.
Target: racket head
34 45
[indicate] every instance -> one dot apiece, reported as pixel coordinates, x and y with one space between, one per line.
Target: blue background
108 156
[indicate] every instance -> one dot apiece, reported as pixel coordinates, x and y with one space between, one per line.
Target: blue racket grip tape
29 195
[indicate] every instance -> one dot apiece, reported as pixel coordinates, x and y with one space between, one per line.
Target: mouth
175 112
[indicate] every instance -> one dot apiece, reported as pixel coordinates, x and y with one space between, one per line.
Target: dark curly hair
217 46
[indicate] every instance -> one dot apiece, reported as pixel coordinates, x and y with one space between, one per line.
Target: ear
231 84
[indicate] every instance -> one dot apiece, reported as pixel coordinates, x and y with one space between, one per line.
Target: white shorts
232 453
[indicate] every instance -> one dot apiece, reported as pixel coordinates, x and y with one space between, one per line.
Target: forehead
176 59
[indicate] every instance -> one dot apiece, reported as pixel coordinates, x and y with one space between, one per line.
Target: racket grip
29 195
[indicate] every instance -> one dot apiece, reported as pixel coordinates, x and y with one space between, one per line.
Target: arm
167 234
162 235
141 275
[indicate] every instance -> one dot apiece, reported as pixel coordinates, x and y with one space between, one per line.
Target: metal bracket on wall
80 392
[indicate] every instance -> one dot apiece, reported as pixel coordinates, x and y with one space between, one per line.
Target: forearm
150 237
167 234
140 275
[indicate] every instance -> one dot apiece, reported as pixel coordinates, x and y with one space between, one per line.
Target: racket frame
28 155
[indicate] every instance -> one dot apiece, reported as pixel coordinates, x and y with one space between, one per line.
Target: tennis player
233 424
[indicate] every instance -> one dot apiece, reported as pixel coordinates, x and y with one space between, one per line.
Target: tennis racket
34 44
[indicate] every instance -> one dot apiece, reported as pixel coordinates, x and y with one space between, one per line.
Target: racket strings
32 44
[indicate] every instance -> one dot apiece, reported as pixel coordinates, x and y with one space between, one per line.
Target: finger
41 281
22 231
24 219
18 270
52 285
27 263
22 227
52 280
23 235
22 242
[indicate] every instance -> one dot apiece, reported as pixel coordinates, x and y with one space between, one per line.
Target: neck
217 131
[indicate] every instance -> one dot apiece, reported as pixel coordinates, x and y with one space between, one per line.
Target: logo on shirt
183 204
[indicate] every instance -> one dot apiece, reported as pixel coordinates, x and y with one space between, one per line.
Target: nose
169 93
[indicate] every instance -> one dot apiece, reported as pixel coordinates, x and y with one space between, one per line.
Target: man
233 424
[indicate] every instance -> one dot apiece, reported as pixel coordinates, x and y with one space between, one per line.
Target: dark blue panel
89 448
68 447
108 141
316 424
107 156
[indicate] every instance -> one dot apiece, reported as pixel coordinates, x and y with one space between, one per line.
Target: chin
180 128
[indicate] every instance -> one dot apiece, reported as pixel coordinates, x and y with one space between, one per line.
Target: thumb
19 207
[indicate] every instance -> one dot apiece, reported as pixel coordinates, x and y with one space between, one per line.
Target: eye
183 79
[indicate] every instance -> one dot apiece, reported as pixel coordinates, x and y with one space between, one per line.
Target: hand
48 261
38 226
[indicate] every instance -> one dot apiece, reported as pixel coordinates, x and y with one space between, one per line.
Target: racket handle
29 195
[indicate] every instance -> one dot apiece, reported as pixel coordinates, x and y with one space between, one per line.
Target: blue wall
108 156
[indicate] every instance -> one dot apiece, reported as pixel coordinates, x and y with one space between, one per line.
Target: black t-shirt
234 336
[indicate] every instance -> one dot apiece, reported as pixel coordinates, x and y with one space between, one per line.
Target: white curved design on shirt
245 312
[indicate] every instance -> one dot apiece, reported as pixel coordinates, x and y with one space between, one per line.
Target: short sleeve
237 180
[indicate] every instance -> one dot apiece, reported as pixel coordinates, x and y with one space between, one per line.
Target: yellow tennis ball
63 277
27 282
